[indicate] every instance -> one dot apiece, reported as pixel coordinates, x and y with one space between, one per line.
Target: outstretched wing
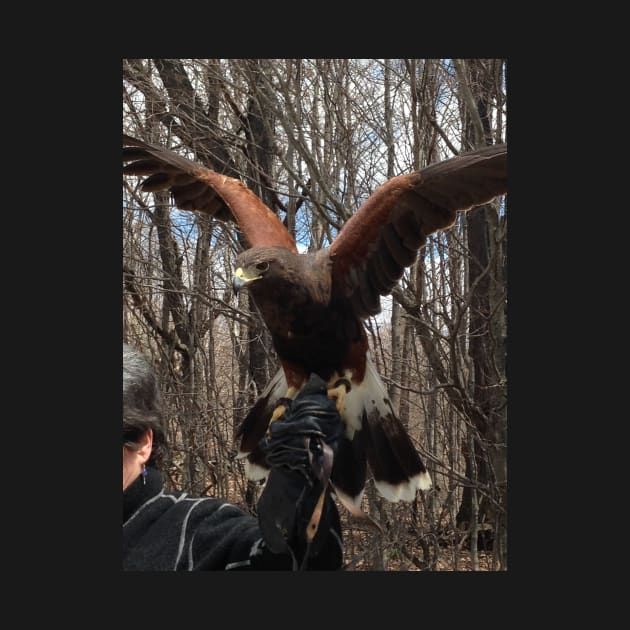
383 237
195 187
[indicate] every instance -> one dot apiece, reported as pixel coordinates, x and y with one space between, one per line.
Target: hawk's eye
263 266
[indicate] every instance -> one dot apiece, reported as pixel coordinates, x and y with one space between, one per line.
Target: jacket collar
140 491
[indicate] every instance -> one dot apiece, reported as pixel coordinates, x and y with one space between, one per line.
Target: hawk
314 304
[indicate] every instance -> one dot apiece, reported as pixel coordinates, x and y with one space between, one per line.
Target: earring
144 475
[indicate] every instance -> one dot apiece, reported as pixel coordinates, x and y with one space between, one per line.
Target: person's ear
146 446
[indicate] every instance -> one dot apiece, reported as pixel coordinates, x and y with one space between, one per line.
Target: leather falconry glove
295 509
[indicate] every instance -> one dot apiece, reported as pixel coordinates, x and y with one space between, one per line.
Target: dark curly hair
142 404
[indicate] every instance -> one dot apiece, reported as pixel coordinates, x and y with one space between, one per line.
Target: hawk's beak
242 278
237 283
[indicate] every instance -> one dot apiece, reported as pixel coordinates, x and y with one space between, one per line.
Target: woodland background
313 138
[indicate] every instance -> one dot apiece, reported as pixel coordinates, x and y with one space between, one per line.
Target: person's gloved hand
295 509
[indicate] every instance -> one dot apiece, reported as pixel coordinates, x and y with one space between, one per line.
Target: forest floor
448 560
445 563
403 552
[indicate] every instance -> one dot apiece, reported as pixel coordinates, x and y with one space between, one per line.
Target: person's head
143 430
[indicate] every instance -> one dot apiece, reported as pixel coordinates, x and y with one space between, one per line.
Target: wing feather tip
405 490
254 472
352 504
424 481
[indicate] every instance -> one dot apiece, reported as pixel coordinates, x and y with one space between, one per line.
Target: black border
92 264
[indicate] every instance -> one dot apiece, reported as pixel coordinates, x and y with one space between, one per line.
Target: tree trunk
487 326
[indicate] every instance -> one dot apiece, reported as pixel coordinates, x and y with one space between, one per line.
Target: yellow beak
242 278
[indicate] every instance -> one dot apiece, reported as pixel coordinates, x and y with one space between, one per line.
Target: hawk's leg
278 412
339 390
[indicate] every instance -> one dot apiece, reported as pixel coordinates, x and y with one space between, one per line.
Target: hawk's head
275 265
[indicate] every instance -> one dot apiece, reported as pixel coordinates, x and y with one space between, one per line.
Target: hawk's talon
278 412
343 381
342 387
280 409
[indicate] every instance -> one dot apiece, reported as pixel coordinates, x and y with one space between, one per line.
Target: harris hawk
314 304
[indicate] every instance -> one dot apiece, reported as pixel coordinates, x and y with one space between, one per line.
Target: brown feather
255 423
416 205
258 224
389 449
349 469
188 192
403 255
408 226
156 182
